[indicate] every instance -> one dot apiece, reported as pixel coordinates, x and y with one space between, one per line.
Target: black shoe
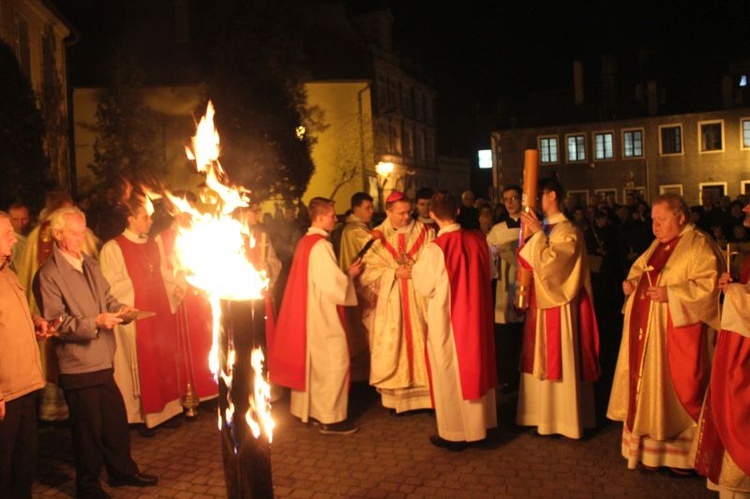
145 432
438 441
137 480
342 428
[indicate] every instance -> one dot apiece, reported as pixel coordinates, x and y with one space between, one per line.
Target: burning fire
212 251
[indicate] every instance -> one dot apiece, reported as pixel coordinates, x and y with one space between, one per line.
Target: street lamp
384 169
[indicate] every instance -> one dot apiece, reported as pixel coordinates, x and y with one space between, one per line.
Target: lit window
605 145
576 148
548 150
746 134
671 139
711 136
632 143
743 80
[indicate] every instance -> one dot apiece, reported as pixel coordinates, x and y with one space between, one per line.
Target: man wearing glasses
503 242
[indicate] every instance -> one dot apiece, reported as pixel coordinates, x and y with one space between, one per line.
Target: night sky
486 48
483 51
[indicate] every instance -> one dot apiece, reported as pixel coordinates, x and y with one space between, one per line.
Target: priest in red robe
308 350
664 362
722 447
147 363
453 274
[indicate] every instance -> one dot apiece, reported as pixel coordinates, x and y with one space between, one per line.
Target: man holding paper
149 367
664 363
71 291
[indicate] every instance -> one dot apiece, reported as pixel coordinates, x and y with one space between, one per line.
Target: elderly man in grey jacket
73 294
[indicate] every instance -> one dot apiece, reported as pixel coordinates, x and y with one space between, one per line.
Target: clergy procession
433 311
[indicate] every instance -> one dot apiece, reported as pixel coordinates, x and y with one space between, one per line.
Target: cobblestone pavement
388 457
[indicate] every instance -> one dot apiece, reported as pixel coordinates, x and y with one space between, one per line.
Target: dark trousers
19 447
99 427
508 350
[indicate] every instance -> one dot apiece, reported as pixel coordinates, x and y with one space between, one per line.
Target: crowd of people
446 303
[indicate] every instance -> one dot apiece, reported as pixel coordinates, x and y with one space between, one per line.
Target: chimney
578 81
653 98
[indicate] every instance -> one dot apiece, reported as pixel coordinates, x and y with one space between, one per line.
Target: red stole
726 415
156 337
287 345
684 344
466 261
403 255
195 328
588 335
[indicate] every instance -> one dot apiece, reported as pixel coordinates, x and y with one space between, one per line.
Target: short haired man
309 352
560 355
468 217
20 376
21 222
663 368
452 274
70 288
422 207
355 234
503 243
394 315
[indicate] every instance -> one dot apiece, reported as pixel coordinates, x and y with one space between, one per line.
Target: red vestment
195 329
287 344
587 327
726 415
684 344
156 337
467 265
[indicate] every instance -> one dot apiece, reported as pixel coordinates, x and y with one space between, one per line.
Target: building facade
39 35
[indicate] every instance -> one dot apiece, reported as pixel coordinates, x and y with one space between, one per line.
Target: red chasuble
726 415
467 263
287 345
156 337
195 330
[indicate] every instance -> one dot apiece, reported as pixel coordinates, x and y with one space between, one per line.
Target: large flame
212 250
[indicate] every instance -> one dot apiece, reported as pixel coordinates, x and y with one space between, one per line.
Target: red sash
406 254
466 261
159 368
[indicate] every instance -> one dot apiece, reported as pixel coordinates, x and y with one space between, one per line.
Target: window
605 145
576 148
548 150
711 136
670 137
746 133
632 143
23 50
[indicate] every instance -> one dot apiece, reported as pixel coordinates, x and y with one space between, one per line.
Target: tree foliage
257 86
53 113
128 143
24 162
